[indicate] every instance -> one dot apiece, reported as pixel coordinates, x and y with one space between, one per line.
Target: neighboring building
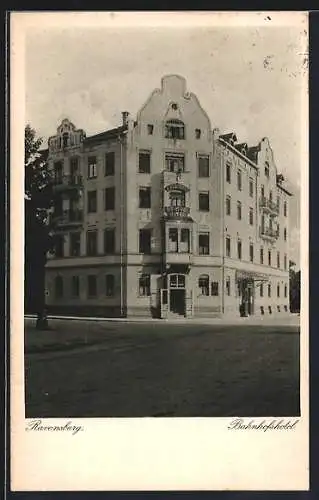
164 216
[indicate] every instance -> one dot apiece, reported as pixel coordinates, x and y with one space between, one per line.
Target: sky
249 80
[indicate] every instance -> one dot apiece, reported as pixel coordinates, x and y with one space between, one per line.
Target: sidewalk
284 320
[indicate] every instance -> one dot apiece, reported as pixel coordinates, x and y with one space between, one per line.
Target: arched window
177 198
174 129
203 284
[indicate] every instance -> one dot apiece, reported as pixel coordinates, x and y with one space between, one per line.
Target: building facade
165 217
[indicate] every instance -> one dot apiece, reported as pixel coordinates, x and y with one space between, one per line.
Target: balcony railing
69 181
68 218
268 205
173 212
268 233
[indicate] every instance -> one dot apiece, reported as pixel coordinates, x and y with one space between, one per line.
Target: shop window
203 284
144 285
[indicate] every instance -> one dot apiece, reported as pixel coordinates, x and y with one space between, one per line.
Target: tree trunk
42 320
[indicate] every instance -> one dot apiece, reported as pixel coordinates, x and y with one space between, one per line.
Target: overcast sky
249 80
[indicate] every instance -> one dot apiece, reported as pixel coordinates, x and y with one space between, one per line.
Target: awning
251 275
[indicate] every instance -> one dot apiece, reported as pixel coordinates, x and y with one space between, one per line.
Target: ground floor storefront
178 291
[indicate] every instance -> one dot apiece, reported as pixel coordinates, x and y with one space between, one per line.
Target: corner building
165 217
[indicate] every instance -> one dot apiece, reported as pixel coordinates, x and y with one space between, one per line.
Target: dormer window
174 129
150 129
197 133
174 106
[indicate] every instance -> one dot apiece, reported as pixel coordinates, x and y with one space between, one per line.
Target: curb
203 321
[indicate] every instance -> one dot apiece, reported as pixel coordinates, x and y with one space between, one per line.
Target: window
177 198
109 241
75 286
92 288
203 202
92 201
150 129
251 187
65 139
263 223
251 216
177 281
58 172
109 163
109 285
144 162
278 230
262 191
278 203
184 245
91 243
269 290
198 133
285 234
228 252
92 167
214 288
58 287
203 166
203 243
75 244
59 246
285 262
266 169
278 259
145 236
145 197
228 285
74 166
278 290
238 210
239 249
144 285
269 257
172 239
270 196
285 291
175 162
203 284
239 183
109 198
261 255
228 173
174 129
251 252
285 209
261 289
228 205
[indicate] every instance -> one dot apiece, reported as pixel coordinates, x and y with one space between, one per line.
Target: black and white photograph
164 172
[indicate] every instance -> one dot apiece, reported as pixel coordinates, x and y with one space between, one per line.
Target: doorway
177 301
246 288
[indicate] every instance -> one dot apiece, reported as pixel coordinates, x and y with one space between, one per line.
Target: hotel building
165 217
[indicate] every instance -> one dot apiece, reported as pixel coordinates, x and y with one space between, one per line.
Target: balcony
178 258
68 182
268 206
268 233
178 213
179 179
68 218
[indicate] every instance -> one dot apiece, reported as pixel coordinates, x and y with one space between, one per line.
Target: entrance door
247 304
177 301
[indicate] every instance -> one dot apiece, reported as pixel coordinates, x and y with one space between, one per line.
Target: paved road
85 369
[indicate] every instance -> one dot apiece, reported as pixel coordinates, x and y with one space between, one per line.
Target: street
114 369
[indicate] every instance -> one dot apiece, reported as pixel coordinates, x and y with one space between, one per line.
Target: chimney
125 115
